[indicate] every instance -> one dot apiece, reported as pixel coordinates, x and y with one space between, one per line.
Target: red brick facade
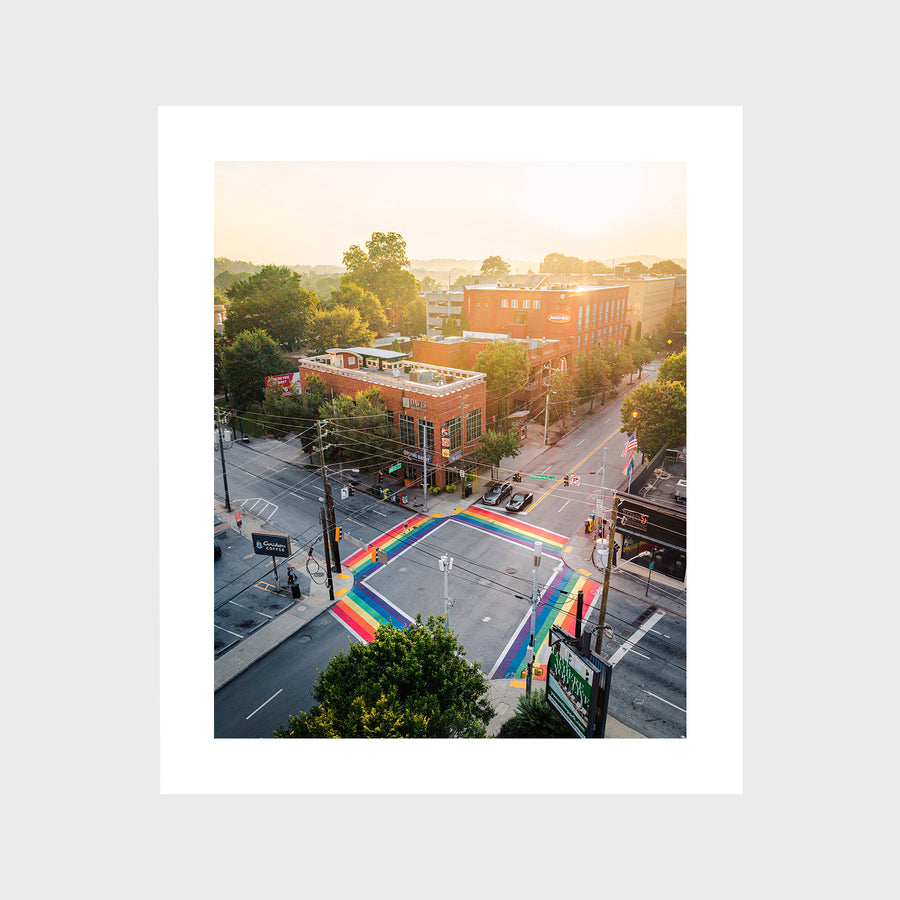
448 406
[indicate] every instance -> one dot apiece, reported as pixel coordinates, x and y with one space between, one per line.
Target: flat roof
371 351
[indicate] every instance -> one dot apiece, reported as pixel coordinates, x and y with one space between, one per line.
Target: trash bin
588 524
295 591
467 489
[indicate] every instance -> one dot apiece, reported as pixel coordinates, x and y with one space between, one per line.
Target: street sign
265 544
574 479
394 467
544 477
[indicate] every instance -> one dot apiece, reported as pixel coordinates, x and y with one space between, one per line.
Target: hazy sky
310 213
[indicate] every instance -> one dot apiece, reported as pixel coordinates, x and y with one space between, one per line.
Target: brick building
438 411
579 316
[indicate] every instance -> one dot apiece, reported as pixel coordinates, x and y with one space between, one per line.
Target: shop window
473 425
454 426
426 435
407 430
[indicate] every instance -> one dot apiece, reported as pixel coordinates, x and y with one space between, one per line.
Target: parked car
496 491
519 500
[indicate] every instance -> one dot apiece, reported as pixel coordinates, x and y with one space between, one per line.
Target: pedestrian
615 550
290 574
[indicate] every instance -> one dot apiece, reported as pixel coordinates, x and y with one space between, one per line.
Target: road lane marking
258 708
664 701
640 633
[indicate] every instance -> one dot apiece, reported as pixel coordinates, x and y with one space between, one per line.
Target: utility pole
601 497
425 468
446 564
538 550
612 535
222 454
327 555
335 553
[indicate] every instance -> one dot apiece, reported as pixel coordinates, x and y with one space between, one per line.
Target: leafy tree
562 396
219 346
274 300
359 432
657 410
558 264
411 317
495 267
535 718
667 267
673 329
463 280
594 375
636 267
618 364
353 296
246 362
595 267
382 269
674 368
412 682
506 365
498 445
641 354
338 327
450 327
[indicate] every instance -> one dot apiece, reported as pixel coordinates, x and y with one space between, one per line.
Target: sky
309 213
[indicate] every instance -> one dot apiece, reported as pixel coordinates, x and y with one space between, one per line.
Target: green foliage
495 267
382 269
338 327
408 682
358 430
450 327
562 396
661 419
353 296
506 365
558 264
674 368
673 330
274 300
246 362
498 445
667 267
594 375
295 414
535 718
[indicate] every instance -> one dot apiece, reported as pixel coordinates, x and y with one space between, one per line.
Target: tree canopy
358 430
506 365
495 266
661 415
498 445
674 368
354 296
594 375
246 362
382 269
411 682
338 326
272 299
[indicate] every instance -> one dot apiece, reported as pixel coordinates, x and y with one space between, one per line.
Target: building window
514 304
525 303
536 304
388 418
504 303
454 426
473 425
426 435
580 311
372 363
407 430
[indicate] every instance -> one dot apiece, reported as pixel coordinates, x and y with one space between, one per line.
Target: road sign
394 467
544 477
574 479
265 544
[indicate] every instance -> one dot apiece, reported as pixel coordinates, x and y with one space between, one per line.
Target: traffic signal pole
606 574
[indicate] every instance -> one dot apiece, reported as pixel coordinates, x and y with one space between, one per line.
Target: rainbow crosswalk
362 610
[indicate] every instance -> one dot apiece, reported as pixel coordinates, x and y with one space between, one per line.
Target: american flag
631 446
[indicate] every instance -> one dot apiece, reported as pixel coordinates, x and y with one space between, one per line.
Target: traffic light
374 554
337 532
351 490
565 480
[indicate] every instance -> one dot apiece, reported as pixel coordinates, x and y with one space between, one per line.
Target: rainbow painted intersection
362 610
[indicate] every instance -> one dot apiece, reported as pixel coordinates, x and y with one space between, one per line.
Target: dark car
519 500
496 492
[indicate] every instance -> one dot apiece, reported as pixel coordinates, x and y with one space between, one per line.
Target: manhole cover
485 618
304 640
511 571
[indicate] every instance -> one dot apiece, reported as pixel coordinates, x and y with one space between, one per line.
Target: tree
498 445
673 329
411 682
667 267
338 327
382 269
594 375
246 362
506 365
450 327
558 264
562 396
657 411
353 296
535 718
674 368
274 300
495 267
359 432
